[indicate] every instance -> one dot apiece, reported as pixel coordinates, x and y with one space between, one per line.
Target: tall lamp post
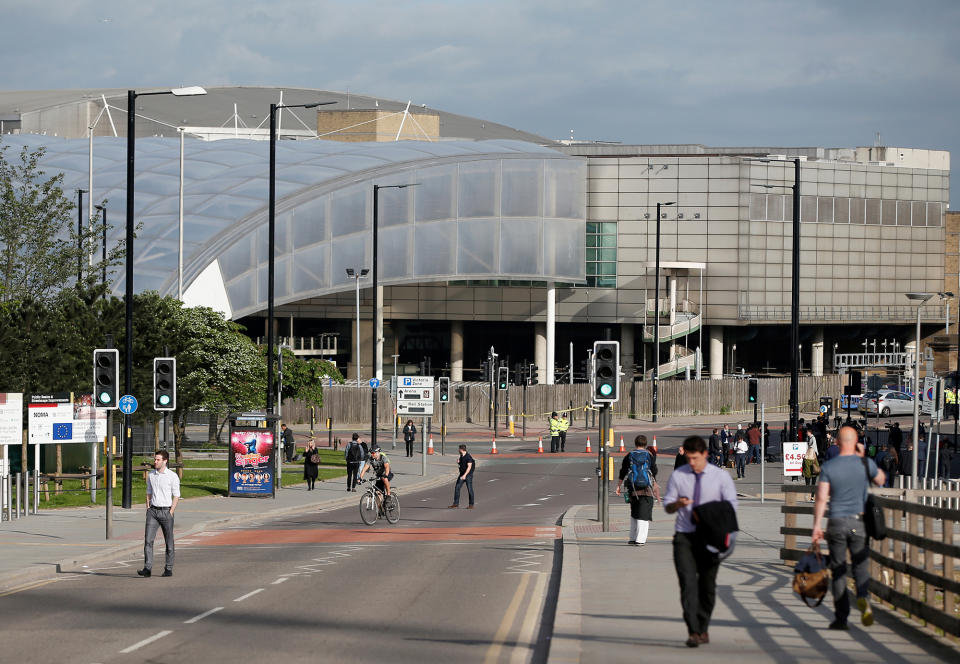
356 275
656 315
80 193
377 313
272 233
103 249
794 298
128 249
919 298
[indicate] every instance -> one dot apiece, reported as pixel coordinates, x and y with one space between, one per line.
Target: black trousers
697 572
409 448
563 441
554 443
353 468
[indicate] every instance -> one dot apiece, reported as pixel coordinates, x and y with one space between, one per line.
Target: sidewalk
621 603
36 546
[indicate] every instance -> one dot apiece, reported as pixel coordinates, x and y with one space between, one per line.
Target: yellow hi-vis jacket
564 423
554 427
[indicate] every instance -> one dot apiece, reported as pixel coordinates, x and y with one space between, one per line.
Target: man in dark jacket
465 469
716 450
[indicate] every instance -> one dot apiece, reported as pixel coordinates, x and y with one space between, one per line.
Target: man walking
554 432
715 449
163 494
843 482
754 437
289 445
691 485
638 475
465 476
354 457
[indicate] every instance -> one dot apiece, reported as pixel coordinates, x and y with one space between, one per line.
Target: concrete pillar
551 331
456 350
716 351
626 348
673 299
816 353
540 347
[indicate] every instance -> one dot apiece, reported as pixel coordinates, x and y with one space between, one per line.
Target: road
442 585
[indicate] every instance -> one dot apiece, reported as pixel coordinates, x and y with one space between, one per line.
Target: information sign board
793 459
251 462
415 395
55 419
11 418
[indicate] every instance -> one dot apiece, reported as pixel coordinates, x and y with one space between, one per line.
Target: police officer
564 425
950 397
554 432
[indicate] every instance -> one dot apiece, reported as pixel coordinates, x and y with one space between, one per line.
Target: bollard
11 495
36 491
26 492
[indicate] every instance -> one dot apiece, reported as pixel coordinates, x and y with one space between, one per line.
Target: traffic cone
654 445
430 445
493 450
622 448
588 445
540 445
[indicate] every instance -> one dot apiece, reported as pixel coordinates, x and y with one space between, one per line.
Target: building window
601 254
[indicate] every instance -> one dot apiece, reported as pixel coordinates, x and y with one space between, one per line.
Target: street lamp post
656 316
919 298
80 193
103 249
132 95
356 275
272 233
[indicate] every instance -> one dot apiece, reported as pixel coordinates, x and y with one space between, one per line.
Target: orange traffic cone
588 445
622 448
654 445
494 448
430 445
540 445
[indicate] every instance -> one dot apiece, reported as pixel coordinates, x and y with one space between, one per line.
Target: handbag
811 577
873 520
315 459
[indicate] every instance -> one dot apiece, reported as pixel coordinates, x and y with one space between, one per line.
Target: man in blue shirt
843 481
693 484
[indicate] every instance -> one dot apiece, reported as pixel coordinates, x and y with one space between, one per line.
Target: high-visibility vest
950 396
564 424
554 427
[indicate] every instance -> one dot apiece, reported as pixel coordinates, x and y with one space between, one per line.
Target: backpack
354 453
640 469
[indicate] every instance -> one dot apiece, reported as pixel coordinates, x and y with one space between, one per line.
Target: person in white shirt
163 494
740 449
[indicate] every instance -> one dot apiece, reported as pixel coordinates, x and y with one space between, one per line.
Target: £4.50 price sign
793 454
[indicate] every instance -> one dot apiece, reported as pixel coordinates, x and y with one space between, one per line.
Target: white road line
249 594
202 615
279 581
147 641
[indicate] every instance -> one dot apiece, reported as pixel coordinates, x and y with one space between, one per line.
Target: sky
829 73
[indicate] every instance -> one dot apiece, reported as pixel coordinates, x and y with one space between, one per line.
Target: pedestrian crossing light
606 371
164 383
444 389
106 378
502 377
752 390
534 376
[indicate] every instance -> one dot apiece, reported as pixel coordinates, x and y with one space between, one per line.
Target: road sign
416 381
415 407
128 404
374 383
793 454
415 395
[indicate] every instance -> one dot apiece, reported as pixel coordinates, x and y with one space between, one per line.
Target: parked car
886 403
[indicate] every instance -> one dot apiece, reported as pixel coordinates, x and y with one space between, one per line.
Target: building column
716 352
456 350
816 352
626 349
551 332
540 347
673 299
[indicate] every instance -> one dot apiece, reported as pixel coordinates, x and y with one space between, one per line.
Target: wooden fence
470 402
915 568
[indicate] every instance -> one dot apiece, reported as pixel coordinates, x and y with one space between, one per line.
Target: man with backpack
638 475
354 457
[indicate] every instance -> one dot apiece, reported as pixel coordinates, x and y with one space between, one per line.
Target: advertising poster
251 462
65 418
793 454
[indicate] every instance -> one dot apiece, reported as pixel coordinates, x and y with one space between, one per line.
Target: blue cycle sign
374 383
127 404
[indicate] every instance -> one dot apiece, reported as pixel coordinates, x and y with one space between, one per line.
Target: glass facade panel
310 222
903 213
934 214
858 208
435 249
841 210
888 213
758 207
564 189
775 207
603 261
520 244
434 194
918 213
395 259
479 248
522 188
808 209
825 210
873 211
477 188
348 210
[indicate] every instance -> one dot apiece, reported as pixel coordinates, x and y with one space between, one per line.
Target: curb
17 579
566 644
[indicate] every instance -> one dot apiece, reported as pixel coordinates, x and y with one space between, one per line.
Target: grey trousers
847 533
158 518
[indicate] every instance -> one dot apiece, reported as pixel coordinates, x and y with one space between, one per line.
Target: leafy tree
303 378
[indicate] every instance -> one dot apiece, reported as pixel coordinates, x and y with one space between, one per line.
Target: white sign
416 381
928 398
415 394
11 418
415 407
793 454
78 422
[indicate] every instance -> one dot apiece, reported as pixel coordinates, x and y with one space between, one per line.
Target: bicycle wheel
391 506
368 508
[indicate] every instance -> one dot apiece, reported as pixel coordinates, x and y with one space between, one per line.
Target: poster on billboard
793 454
65 418
251 464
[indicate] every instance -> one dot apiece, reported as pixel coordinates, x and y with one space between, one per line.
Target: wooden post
790 521
59 482
913 553
929 565
949 598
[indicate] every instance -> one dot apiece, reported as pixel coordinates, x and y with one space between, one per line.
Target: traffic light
485 371
606 371
106 378
534 377
164 383
752 390
443 389
584 369
503 374
856 382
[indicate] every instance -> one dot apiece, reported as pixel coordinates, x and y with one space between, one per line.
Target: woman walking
409 436
311 464
811 469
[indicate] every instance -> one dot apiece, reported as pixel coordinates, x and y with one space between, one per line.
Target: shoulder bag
873 520
811 577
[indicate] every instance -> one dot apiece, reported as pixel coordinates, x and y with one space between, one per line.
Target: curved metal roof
480 210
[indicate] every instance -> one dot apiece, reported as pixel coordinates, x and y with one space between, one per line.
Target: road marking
203 615
528 505
147 641
525 643
493 652
249 594
547 498
494 479
280 580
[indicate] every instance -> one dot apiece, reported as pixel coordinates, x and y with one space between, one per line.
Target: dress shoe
837 624
469 507
704 638
693 641
453 507
143 572
167 572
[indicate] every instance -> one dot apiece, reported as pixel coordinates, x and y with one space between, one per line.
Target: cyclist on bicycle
380 464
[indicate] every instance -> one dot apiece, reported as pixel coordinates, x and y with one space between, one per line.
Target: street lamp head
919 297
364 272
191 91
349 271
668 203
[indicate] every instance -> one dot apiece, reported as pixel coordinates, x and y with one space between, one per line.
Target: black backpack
354 453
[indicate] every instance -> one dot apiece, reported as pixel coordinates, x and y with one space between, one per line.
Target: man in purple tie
696 483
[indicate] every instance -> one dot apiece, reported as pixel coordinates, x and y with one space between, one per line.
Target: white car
886 403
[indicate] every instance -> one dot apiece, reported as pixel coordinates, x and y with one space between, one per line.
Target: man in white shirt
163 494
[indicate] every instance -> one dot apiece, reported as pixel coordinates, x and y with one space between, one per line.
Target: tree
303 379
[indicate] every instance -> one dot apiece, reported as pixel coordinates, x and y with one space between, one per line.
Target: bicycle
374 504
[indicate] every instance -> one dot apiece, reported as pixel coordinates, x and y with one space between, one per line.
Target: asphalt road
442 585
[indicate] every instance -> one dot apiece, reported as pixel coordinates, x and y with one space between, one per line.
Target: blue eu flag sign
63 431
